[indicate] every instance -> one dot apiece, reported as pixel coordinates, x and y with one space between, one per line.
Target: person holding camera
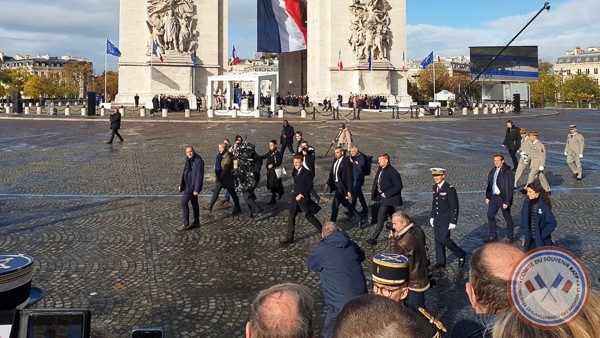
408 239
444 216
191 185
308 155
358 163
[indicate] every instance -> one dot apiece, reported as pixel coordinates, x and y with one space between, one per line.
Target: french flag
280 26
234 58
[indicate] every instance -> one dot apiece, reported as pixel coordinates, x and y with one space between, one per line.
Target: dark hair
498 155
238 137
371 316
273 141
537 187
298 157
299 133
384 155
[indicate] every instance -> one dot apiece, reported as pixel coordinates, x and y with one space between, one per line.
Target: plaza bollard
188 113
27 110
421 112
102 111
494 110
485 110
38 110
165 112
83 111
233 113
67 111
210 113
476 111
8 109
122 111
30 104
59 104
465 111
142 112
257 113
303 113
280 113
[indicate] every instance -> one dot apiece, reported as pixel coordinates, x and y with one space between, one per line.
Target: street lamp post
290 82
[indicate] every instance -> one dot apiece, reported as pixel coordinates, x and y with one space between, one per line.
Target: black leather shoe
193 226
271 202
578 178
287 242
236 212
371 241
207 208
491 240
461 261
280 196
438 266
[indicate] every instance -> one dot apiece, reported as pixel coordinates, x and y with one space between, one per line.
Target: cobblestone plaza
100 219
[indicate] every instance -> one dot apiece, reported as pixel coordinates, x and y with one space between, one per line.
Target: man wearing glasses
390 279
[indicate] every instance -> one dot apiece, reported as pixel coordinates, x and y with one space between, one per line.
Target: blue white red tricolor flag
340 64
280 27
403 63
234 58
156 52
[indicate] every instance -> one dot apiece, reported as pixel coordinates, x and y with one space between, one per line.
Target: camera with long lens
389 225
245 177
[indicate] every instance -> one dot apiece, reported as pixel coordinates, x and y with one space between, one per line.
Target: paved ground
100 220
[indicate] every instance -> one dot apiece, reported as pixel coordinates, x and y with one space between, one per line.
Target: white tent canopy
243 77
444 95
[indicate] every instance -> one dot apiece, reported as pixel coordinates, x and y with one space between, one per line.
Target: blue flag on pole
194 59
370 60
112 49
426 61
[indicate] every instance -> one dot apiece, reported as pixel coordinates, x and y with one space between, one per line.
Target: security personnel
574 151
390 279
444 216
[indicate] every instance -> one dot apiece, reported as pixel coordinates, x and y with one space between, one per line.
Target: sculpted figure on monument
369 24
170 25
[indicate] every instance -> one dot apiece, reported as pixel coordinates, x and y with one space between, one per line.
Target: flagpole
151 72
433 54
105 61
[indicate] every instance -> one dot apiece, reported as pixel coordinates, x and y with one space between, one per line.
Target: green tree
579 87
546 87
425 80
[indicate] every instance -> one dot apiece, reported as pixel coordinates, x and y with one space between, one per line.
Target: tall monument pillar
171 30
355 29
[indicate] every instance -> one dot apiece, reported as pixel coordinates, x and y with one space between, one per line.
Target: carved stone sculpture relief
170 25
369 24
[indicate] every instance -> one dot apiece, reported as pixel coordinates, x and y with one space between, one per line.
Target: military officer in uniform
574 151
537 161
523 152
444 216
390 279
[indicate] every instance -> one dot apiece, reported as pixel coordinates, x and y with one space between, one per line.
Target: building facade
578 61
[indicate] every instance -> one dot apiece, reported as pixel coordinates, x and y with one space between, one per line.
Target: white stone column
67 110
210 113
102 111
83 111
476 111
188 112
38 110
142 112
465 111
27 110
233 113
122 111
257 113
303 113
165 112
280 113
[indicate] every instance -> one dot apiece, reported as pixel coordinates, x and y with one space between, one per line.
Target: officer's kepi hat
390 269
572 126
437 171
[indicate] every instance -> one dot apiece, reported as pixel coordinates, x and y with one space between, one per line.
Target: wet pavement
100 219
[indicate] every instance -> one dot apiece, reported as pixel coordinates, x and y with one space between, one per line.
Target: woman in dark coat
274 183
537 219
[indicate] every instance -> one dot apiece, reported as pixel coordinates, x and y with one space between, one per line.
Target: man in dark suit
444 215
115 125
303 184
387 191
136 100
340 182
499 196
287 138
191 183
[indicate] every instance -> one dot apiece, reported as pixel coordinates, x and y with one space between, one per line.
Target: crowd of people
174 103
404 275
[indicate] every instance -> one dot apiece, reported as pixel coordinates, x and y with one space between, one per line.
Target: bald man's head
490 269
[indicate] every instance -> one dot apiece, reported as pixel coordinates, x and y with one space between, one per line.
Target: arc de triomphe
175 30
